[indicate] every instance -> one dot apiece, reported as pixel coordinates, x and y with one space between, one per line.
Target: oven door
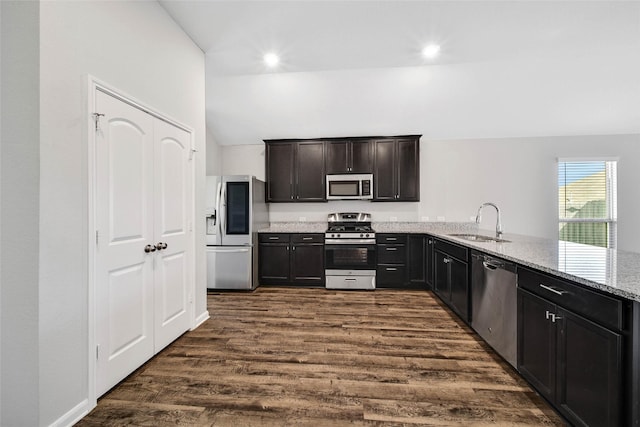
350 256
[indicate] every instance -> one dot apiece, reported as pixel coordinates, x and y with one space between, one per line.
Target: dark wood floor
313 357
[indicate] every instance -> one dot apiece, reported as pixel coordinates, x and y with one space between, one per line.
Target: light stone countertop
613 271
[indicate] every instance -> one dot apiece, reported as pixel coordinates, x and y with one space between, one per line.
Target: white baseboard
74 415
201 319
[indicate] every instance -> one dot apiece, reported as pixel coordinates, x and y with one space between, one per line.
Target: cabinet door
429 265
416 260
408 172
589 372
361 158
310 181
384 185
279 171
537 343
273 263
441 275
337 157
307 264
459 288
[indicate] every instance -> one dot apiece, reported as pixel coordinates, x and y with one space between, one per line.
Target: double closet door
143 266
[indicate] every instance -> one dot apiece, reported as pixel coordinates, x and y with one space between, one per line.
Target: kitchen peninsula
578 311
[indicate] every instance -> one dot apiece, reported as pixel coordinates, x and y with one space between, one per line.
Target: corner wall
137 48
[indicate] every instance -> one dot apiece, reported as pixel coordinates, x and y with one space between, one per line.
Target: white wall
20 157
243 160
136 47
519 174
214 156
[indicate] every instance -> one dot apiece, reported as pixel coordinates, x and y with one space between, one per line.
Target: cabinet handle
391 239
293 248
392 249
349 280
274 238
446 260
555 291
392 269
307 238
553 316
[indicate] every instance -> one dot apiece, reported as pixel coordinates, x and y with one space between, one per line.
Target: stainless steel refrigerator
235 211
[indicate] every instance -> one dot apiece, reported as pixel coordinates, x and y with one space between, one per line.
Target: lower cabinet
417 261
573 361
291 259
391 271
451 276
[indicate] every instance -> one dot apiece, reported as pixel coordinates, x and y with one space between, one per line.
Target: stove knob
366 235
361 235
338 235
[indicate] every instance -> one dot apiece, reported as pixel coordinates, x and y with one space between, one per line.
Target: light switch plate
393 218
440 218
302 219
424 218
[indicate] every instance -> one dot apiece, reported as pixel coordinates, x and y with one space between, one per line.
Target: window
587 201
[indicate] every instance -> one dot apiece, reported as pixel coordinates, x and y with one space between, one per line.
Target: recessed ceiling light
431 51
271 60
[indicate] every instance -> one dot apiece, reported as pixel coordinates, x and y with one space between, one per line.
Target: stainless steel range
350 251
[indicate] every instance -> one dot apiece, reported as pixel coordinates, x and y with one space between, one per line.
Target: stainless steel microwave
350 187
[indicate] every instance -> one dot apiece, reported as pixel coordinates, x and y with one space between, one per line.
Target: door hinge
96 119
97 236
192 152
98 352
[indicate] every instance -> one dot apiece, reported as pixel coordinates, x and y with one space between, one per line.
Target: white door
124 219
172 201
143 269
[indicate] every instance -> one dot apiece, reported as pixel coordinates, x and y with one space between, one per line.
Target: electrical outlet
393 218
424 218
302 218
440 218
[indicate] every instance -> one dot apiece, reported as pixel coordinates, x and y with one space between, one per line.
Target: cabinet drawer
392 254
307 238
390 275
601 308
391 238
452 249
273 237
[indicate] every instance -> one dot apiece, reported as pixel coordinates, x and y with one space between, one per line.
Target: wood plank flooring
314 357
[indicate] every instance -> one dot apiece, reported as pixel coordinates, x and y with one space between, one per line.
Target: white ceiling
506 69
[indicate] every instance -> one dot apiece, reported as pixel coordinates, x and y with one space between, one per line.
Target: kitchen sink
479 238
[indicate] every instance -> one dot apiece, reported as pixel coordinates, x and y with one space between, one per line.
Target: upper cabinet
396 169
349 156
295 171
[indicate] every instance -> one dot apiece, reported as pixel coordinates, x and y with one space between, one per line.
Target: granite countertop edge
528 251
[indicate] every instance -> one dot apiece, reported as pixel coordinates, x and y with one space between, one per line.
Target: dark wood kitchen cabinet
291 259
295 171
391 271
396 169
451 276
349 156
570 348
417 261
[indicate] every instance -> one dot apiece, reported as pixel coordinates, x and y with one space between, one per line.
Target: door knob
161 246
149 248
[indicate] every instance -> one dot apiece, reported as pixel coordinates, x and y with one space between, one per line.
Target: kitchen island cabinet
570 347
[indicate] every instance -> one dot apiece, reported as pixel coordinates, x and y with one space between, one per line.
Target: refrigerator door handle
223 211
216 213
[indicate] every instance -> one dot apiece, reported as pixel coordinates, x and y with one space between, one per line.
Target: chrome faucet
498 221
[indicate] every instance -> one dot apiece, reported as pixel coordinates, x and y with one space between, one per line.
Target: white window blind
587 201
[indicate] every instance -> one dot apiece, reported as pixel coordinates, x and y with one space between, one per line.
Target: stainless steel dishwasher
494 304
